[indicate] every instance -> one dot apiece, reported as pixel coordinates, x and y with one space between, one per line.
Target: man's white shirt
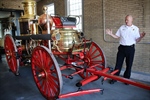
128 34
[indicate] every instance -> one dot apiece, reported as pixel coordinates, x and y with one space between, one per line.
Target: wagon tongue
78 93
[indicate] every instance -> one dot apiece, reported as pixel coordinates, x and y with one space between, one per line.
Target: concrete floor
23 87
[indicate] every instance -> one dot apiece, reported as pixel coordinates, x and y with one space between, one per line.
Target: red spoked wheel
46 72
11 54
94 56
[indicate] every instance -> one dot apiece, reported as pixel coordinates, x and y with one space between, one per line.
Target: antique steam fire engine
39 45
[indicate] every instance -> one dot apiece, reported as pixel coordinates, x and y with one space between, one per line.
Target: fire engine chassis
89 63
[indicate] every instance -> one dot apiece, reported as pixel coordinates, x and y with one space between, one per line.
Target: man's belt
127 45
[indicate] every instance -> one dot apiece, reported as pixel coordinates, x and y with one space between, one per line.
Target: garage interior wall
114 12
101 14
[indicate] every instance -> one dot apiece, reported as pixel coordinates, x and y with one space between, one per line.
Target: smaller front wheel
93 56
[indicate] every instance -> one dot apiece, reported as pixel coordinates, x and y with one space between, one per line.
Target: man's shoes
112 81
126 78
126 83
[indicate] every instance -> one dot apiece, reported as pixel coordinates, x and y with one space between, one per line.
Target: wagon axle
42 74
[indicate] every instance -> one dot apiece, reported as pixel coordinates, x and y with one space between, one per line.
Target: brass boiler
28 23
65 40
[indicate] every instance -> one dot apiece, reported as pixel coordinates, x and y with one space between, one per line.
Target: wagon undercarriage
89 64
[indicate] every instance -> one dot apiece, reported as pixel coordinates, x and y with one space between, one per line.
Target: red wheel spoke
13 64
43 86
48 88
38 58
38 66
50 79
49 65
97 62
41 57
54 78
96 56
90 50
44 56
49 92
93 52
52 89
53 85
37 61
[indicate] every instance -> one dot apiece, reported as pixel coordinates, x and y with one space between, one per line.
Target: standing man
129 35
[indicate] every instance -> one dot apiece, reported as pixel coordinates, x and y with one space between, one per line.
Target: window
74 8
0 31
51 10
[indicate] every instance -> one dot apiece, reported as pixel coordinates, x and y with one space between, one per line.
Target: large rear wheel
46 72
11 54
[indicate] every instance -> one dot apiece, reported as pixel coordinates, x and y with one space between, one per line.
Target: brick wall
115 11
59 6
11 4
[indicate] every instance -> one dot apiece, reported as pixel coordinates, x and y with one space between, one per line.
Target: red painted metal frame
118 78
106 75
78 93
88 57
91 78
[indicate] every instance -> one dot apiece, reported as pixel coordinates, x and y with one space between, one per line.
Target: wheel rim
94 56
46 73
10 51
